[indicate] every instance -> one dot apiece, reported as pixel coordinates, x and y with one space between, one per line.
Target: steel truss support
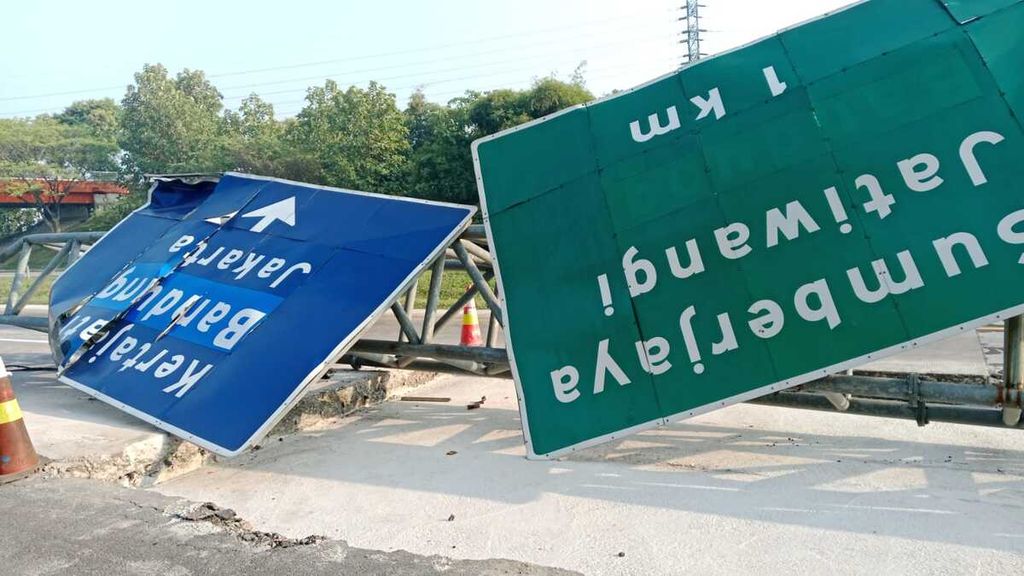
907 397
469 254
68 247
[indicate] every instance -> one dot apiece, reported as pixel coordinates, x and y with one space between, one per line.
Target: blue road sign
209 310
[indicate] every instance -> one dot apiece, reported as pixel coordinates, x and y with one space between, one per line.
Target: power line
295 106
322 62
557 42
577 53
574 55
478 76
575 26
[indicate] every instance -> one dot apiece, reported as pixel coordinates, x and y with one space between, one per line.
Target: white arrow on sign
283 211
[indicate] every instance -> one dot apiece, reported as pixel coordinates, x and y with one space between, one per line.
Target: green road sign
839 192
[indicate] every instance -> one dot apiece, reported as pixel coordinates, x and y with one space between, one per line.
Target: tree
502 109
441 136
549 95
355 138
15 221
255 136
257 143
172 125
44 161
101 116
440 164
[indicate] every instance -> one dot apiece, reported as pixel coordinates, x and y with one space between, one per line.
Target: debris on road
424 399
228 518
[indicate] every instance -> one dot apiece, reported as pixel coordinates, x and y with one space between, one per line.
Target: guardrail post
433 296
409 305
60 257
492 328
1013 368
76 251
20 273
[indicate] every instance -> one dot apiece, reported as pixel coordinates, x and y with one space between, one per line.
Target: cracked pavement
84 527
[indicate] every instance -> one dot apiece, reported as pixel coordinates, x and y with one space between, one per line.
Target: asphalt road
745 489
87 528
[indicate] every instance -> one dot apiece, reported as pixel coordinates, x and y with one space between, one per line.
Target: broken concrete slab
344 392
85 438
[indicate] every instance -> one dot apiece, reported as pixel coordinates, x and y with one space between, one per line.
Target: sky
53 53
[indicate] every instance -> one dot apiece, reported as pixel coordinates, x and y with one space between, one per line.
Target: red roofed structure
82 193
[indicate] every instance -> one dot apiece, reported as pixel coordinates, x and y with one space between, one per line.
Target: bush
108 217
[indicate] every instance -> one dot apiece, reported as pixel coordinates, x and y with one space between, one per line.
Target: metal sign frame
317 372
768 391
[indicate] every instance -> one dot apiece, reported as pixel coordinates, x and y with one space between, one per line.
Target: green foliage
453 286
172 125
15 221
257 143
441 161
101 116
352 138
355 138
502 109
441 167
41 296
109 216
44 159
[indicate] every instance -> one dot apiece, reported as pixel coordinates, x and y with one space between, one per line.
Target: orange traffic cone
17 456
470 326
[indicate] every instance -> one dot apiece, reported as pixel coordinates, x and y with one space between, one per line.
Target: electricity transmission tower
691 36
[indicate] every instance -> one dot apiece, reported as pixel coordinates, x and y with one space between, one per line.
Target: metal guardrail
908 397
68 247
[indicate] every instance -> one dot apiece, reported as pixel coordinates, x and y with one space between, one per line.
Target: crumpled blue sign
210 309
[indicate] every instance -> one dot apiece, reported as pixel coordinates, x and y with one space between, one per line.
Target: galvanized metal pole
492 329
433 295
478 279
24 298
20 274
75 253
410 304
1013 368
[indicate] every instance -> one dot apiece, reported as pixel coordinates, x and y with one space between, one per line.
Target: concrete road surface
84 528
745 490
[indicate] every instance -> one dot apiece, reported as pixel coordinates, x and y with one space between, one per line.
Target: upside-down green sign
844 190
